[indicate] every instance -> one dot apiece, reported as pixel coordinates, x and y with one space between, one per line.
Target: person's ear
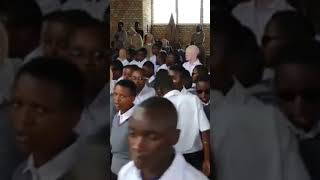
175 137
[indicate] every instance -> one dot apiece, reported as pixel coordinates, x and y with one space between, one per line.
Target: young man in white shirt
45 107
148 68
179 78
192 123
123 95
152 135
156 48
87 47
123 56
192 53
161 61
141 57
203 92
143 91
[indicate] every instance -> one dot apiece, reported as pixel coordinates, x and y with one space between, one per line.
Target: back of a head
159 105
202 70
117 65
293 24
163 80
132 67
59 72
149 65
129 85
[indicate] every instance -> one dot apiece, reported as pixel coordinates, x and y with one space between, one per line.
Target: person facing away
148 68
152 135
143 91
45 106
87 47
192 123
141 57
297 91
192 53
124 94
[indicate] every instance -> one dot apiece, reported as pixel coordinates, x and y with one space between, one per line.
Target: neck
41 158
159 169
125 110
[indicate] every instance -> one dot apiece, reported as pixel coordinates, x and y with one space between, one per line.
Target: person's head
88 48
171 59
148 68
176 74
161 58
131 54
156 48
136 25
120 26
186 79
139 78
199 71
22 20
283 29
297 85
192 52
124 94
163 83
128 70
117 69
56 28
123 53
141 54
203 88
153 133
46 104
199 28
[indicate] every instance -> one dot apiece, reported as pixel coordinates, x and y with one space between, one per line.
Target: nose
22 119
137 144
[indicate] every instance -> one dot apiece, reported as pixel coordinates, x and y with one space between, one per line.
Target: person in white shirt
148 68
161 61
256 13
141 57
179 78
50 102
192 123
143 91
198 71
152 135
192 53
123 56
156 48
86 48
123 97
116 68
297 90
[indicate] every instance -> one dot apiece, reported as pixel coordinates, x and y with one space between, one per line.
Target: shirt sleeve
204 124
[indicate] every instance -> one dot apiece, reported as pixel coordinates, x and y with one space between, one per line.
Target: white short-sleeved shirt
190 66
153 59
163 66
139 64
146 92
178 170
124 62
192 120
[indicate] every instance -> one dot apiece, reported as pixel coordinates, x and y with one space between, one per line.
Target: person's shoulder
18 172
193 174
126 170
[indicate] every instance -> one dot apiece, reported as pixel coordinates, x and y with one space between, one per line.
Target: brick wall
130 11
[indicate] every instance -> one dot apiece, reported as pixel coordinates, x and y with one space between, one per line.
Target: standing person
143 91
152 135
137 28
197 39
141 57
134 39
121 34
124 94
192 53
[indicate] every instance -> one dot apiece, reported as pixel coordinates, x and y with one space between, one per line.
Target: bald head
192 52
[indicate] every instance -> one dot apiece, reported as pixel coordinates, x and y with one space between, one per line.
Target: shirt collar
151 79
125 116
172 93
197 62
184 90
57 166
305 135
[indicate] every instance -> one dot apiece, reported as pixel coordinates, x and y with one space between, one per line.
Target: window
189 11
162 10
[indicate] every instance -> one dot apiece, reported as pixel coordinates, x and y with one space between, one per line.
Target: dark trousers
195 159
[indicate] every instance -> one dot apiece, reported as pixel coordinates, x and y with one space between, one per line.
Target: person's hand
206 167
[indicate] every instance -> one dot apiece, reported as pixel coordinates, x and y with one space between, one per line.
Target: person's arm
206 152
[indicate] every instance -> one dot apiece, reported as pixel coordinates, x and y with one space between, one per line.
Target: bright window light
206 11
189 11
162 10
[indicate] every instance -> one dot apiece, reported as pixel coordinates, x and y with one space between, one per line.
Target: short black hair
128 84
202 69
133 67
60 72
132 51
144 50
159 46
117 65
120 23
205 78
149 64
163 80
187 79
180 70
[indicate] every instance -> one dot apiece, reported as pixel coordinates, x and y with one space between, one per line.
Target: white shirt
139 64
33 54
95 115
152 78
255 17
163 66
178 170
55 168
124 62
190 66
153 59
95 8
192 120
125 116
268 74
146 92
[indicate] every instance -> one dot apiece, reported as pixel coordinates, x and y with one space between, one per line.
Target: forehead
137 73
38 91
88 37
146 120
122 90
203 85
